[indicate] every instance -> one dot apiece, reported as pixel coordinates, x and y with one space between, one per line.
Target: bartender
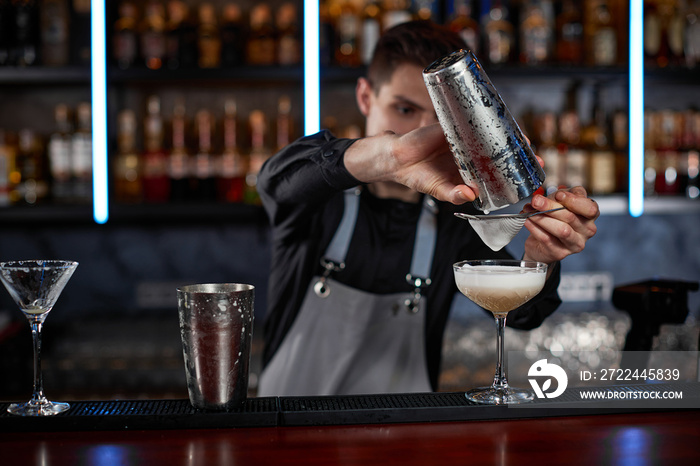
364 238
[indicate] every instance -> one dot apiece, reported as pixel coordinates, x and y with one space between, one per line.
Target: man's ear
363 95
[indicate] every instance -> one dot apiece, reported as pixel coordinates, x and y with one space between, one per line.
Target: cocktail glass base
38 408
500 395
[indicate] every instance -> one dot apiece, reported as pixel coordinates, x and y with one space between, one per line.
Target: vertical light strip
312 103
98 59
636 108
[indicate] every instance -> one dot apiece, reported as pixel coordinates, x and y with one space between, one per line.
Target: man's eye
405 110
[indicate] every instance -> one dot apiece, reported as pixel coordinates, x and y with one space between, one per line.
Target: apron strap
338 247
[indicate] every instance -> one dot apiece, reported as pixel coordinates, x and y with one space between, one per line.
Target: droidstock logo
546 372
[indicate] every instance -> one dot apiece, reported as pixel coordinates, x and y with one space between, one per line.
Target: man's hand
420 160
555 235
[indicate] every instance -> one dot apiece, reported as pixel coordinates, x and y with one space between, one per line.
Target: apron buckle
418 283
321 287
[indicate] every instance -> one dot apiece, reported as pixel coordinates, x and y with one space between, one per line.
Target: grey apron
348 341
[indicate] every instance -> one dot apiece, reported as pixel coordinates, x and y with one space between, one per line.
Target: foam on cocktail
499 289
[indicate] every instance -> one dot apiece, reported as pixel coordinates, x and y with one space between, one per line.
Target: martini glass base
499 395
38 408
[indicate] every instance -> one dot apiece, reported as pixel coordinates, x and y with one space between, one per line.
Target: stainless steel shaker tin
489 148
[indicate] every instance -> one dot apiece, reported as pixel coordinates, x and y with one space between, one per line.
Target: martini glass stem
499 380
38 390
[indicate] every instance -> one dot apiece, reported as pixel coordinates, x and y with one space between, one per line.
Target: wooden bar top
637 438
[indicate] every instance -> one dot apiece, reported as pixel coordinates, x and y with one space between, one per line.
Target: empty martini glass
500 286
35 286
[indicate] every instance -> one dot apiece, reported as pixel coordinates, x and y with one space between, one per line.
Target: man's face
401 105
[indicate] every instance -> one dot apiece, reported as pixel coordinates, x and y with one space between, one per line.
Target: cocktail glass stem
499 380
38 390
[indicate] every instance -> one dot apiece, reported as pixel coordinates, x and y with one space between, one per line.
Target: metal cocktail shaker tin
489 147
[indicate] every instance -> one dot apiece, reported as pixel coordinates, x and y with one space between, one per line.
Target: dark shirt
302 191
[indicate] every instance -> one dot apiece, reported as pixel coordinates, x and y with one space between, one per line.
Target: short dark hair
419 42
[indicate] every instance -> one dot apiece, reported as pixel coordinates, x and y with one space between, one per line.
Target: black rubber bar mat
343 410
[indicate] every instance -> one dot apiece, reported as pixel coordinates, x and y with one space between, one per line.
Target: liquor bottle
600 33
463 22
596 140
7 33
326 35
177 13
575 168
153 37
427 10
498 34
233 166
209 37
81 154
569 44
80 36
26 27
32 186
675 32
545 140
8 171
620 145
59 153
371 29
259 153
347 27
691 45
536 33
156 183
668 160
54 32
652 34
125 36
288 38
284 122
179 160
260 49
232 36
127 166
205 162
395 13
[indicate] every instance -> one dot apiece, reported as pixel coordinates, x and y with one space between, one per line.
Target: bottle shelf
42 75
238 75
166 213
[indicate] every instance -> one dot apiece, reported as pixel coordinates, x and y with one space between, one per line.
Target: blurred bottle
326 35
260 49
32 184
156 183
8 171
396 12
81 154
371 28
178 14
209 37
284 122
462 21
127 166
536 32
288 36
691 45
427 10
7 33
233 166
569 44
675 31
179 161
620 145
668 159
546 143
26 28
600 33
596 140
55 43
59 153
259 153
498 34
575 168
232 36
125 36
153 38
347 29
205 162
80 34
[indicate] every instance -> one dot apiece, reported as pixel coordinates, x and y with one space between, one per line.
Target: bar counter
383 429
